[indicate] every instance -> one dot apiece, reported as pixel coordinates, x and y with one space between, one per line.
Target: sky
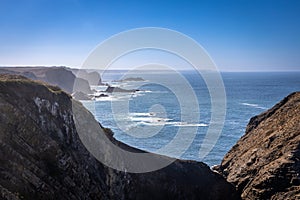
241 35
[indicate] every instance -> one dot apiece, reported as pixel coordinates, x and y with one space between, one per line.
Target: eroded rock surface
265 162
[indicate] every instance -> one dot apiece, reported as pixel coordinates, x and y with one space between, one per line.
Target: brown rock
265 162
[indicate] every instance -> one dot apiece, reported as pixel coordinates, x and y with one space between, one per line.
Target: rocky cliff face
59 76
265 162
42 157
92 77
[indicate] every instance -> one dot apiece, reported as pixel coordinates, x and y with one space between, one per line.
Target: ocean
151 118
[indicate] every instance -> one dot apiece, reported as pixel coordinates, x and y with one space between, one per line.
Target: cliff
42 157
265 162
60 76
92 77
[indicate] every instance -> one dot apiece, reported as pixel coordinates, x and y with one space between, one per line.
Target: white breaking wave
178 124
254 105
109 98
145 91
150 119
198 125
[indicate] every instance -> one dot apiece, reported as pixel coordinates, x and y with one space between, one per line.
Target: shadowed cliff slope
265 162
42 157
59 76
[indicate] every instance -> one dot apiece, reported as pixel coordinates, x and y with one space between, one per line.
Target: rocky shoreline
42 156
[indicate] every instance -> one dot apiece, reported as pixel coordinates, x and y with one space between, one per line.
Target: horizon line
124 69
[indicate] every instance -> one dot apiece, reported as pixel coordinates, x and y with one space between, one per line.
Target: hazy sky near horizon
241 35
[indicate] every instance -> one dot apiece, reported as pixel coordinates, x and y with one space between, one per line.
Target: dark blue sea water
155 115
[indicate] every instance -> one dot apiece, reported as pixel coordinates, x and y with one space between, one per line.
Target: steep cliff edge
265 162
62 77
42 157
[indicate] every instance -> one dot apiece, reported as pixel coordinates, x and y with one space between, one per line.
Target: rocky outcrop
92 77
66 80
111 89
265 162
81 85
60 77
42 157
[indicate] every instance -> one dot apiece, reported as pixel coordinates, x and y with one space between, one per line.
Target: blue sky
241 35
